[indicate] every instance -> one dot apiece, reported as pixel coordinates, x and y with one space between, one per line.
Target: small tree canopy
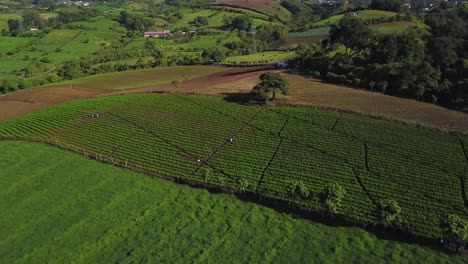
331 197
455 227
389 211
352 33
299 189
271 82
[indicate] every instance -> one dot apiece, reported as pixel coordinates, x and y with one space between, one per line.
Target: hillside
274 149
101 213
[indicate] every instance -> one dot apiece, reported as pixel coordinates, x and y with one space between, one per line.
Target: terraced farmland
187 137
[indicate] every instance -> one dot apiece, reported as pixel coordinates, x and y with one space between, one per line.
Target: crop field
260 58
100 213
315 32
187 137
141 78
365 15
271 8
392 27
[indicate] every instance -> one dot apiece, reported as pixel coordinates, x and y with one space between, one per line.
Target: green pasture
261 57
60 207
4 20
141 78
365 15
315 32
274 149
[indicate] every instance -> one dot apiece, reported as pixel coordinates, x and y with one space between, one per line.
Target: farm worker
231 139
198 160
97 115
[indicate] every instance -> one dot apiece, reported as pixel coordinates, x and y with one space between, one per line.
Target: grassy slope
141 78
60 207
270 56
364 15
309 150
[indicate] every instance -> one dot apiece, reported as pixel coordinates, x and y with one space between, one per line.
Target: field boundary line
363 188
336 122
366 156
293 140
462 177
74 123
168 143
224 144
273 156
117 147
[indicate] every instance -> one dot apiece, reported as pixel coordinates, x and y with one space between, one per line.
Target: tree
455 230
298 190
332 196
271 82
389 212
455 227
242 185
200 21
386 5
157 55
213 54
240 22
13 27
352 33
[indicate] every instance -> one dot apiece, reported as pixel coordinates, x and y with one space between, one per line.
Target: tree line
428 66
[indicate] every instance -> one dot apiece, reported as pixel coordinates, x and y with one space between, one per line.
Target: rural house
157 34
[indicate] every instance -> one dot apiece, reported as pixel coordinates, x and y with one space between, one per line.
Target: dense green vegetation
289 154
60 207
429 66
49 43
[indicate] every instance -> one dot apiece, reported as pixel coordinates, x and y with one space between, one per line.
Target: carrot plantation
267 152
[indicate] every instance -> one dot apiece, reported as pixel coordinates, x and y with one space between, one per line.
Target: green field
260 58
60 207
315 32
186 137
141 78
365 15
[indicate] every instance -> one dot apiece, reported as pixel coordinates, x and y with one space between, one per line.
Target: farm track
293 140
366 156
336 122
117 147
463 177
73 124
275 152
168 142
381 145
363 188
211 156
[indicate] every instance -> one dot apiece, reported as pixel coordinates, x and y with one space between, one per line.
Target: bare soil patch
304 92
311 92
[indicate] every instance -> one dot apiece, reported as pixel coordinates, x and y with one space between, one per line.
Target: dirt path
304 92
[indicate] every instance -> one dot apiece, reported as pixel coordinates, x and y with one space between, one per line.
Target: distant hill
267 7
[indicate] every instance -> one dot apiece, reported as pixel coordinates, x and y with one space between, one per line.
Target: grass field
260 58
186 137
388 27
271 8
141 78
365 15
4 19
67 208
315 32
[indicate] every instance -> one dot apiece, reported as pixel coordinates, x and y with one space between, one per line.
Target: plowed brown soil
304 92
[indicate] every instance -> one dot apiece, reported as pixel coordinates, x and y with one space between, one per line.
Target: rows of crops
189 137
